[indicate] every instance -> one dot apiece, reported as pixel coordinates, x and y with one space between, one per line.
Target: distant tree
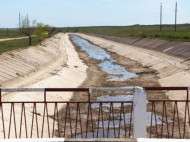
51 30
76 30
27 27
41 31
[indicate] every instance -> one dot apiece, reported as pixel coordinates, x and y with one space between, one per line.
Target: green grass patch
16 44
10 33
139 31
14 33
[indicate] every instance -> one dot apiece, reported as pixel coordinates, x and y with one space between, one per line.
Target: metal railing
91 118
169 118
43 118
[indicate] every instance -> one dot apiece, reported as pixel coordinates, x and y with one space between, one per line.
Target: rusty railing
47 118
169 118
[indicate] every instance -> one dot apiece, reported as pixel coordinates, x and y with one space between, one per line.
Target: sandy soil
66 71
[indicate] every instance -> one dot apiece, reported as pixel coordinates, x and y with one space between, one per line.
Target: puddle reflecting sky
112 98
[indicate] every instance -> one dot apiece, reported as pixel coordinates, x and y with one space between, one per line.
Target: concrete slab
20 62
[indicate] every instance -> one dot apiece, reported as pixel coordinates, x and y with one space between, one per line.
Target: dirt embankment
7 39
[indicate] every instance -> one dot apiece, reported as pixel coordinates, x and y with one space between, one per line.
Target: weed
186 37
17 74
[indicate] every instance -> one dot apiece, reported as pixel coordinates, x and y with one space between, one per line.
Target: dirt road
7 39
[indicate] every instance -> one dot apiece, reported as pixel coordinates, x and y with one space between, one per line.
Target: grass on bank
10 45
14 33
139 31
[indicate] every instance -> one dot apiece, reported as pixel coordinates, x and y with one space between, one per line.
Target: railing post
188 88
89 92
139 113
0 97
45 95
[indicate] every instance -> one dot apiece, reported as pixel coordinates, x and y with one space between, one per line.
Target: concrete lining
20 62
176 48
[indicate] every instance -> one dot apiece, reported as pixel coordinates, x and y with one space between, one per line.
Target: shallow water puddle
118 122
106 109
128 120
112 98
100 134
115 72
114 126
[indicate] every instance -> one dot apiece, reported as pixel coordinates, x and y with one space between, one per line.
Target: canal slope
67 71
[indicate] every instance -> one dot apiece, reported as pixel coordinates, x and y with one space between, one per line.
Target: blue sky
63 13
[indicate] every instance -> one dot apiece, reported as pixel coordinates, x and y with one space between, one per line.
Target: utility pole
19 19
175 16
160 17
19 23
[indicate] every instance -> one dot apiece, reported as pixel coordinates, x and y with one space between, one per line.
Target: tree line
32 28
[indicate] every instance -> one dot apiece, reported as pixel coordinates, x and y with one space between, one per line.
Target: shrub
41 31
157 35
186 37
75 31
141 34
173 36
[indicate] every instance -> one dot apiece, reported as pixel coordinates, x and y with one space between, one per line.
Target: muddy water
115 71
